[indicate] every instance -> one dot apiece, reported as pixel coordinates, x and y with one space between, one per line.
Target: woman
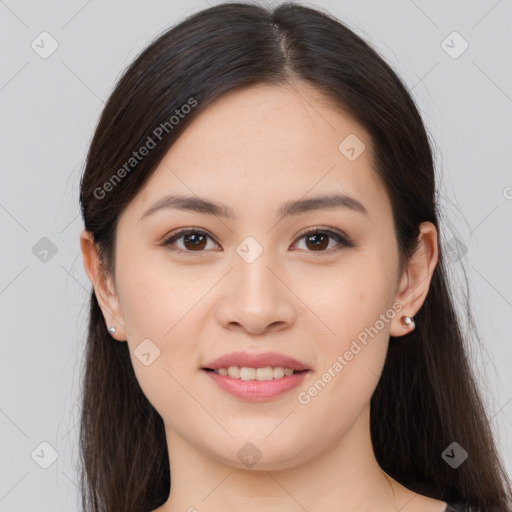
270 326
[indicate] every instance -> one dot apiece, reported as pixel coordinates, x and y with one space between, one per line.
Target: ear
415 281
103 286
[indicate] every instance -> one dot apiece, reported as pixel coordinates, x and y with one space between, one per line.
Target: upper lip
248 360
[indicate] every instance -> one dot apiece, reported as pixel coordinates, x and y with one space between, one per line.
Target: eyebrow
290 208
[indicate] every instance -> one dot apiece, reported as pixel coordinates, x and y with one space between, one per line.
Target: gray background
49 108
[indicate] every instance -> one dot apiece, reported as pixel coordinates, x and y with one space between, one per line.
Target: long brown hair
427 396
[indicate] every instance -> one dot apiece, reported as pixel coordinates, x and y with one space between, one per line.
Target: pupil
321 245
195 237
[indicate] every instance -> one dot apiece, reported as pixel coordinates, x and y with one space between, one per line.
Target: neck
342 477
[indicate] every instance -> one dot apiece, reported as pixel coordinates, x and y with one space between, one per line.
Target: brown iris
197 241
321 245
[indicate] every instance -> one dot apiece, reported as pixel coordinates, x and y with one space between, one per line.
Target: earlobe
415 282
404 321
103 287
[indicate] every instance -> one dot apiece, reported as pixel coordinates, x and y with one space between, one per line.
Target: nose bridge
256 297
253 279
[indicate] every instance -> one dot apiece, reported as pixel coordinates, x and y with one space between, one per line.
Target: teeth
245 373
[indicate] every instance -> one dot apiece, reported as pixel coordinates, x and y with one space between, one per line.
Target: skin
254 149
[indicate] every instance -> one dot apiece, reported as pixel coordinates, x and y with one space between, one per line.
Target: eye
196 240
318 239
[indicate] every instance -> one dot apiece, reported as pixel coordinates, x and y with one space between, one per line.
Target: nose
256 298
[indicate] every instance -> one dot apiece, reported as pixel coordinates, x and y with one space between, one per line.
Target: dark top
460 507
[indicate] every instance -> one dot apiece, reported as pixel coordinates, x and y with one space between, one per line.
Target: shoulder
461 507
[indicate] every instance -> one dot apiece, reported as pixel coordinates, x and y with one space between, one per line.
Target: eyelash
343 241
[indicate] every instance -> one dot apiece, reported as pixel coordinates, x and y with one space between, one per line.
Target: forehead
289 123
264 145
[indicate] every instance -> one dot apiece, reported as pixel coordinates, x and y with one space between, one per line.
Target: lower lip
256 390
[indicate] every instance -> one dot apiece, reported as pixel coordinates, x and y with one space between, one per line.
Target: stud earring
408 321
112 329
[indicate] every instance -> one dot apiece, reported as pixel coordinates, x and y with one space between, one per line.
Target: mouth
255 384
259 374
247 362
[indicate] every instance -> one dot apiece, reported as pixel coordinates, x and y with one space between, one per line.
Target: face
317 284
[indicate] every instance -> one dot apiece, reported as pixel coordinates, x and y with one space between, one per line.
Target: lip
254 390
262 360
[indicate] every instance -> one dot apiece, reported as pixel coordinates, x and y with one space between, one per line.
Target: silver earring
112 329
407 321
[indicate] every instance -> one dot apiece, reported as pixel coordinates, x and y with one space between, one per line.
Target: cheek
153 299
158 306
354 306
155 315
348 298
